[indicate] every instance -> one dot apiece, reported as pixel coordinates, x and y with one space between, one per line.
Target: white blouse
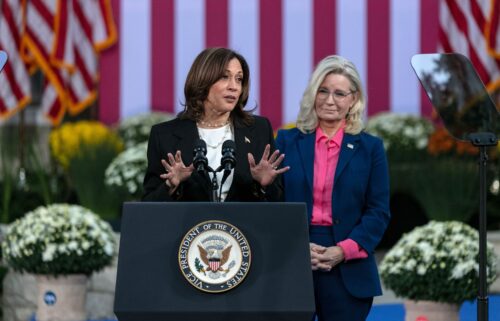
215 137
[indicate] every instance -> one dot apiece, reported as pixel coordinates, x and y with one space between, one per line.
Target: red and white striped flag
14 79
493 29
39 39
282 41
470 27
63 38
84 28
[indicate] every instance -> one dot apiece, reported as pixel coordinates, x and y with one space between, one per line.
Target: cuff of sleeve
259 191
352 250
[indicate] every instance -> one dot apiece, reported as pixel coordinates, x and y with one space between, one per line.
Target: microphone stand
214 197
215 186
482 140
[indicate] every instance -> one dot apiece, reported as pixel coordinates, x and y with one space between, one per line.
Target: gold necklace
213 125
222 140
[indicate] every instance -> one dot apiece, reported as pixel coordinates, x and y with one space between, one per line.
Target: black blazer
181 134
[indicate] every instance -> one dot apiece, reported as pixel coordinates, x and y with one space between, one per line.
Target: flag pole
21 182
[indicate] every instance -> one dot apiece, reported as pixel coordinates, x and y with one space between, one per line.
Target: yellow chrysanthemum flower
68 140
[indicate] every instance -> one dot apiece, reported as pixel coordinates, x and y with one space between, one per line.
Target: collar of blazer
349 146
306 145
187 134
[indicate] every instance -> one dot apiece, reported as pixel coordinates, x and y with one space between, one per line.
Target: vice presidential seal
214 256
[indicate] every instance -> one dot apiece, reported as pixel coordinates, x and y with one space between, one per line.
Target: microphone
200 161
228 160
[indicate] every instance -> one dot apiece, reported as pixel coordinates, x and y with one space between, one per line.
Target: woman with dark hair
216 92
341 173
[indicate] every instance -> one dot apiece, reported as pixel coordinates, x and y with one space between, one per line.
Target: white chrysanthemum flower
409 131
421 270
48 254
135 130
127 170
109 248
410 264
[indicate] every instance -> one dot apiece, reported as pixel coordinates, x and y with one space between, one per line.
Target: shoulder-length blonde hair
307 121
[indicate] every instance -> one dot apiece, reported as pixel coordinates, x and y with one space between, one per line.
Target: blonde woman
341 173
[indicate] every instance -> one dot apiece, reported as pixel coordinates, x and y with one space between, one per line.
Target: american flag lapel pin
350 146
247 140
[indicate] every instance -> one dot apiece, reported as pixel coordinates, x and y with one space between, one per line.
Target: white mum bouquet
59 239
127 170
135 130
437 262
401 133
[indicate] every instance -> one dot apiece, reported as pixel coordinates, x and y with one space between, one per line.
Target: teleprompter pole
482 141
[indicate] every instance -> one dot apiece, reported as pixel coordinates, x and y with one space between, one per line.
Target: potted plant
435 267
84 149
62 245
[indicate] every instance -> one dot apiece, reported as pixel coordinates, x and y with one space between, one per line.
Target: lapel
349 146
305 146
186 134
243 137
243 140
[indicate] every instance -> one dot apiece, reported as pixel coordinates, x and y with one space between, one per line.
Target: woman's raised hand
176 171
268 167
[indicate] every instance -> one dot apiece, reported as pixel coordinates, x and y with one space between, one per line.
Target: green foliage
40 173
86 173
446 188
428 164
6 187
25 188
7 180
26 179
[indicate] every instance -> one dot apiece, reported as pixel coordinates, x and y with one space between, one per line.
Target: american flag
282 41
14 79
62 38
39 38
471 28
82 32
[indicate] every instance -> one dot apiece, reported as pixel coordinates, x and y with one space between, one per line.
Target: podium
151 284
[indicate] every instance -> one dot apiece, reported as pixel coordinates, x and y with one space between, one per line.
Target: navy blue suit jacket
360 197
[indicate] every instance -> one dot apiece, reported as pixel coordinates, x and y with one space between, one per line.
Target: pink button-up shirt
326 157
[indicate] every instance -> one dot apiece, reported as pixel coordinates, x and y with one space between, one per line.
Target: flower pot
430 311
61 298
